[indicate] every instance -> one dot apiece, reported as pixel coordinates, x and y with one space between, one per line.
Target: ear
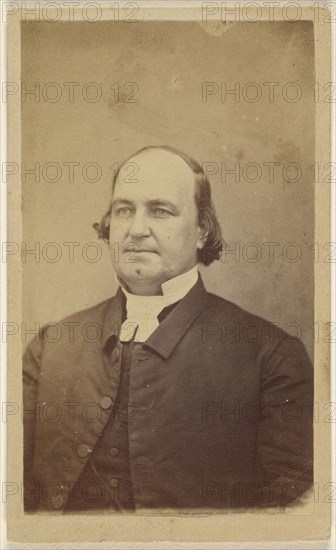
202 235
105 226
107 220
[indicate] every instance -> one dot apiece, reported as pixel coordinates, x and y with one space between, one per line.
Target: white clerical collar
142 311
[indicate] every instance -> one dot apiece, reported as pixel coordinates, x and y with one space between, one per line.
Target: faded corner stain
240 154
216 28
287 151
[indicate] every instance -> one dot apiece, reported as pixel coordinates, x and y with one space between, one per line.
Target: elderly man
176 405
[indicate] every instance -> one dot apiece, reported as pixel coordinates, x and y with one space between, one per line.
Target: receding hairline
187 159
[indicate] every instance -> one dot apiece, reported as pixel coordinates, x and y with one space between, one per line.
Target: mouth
144 252
135 250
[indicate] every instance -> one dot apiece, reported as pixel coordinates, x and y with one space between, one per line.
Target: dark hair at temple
206 211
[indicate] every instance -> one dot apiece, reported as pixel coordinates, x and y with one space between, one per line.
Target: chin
141 273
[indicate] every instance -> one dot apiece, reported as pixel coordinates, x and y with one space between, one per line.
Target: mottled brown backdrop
169 62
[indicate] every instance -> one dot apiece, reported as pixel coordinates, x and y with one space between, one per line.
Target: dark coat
220 406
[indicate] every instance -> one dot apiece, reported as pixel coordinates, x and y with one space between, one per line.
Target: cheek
181 237
117 229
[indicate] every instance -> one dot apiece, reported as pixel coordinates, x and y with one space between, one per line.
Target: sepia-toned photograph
170 253
168 394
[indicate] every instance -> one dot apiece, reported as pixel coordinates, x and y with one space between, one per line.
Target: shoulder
93 314
227 310
77 328
231 325
72 326
234 323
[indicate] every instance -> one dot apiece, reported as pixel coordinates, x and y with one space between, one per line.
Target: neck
163 287
144 288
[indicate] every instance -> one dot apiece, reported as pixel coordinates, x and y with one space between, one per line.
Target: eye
161 212
124 211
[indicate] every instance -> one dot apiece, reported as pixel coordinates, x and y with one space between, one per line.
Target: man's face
154 221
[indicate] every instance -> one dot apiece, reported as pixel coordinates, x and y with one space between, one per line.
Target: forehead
156 173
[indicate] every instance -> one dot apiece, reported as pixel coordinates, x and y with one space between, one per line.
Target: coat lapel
165 338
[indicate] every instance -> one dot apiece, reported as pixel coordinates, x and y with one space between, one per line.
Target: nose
139 226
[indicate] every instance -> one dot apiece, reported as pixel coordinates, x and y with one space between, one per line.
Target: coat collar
112 318
165 338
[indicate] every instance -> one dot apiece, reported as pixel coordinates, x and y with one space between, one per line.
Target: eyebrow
121 201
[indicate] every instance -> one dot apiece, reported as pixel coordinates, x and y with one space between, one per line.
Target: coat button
114 482
106 402
115 355
93 492
57 502
114 451
83 450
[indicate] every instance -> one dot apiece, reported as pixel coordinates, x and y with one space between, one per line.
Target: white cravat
143 311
